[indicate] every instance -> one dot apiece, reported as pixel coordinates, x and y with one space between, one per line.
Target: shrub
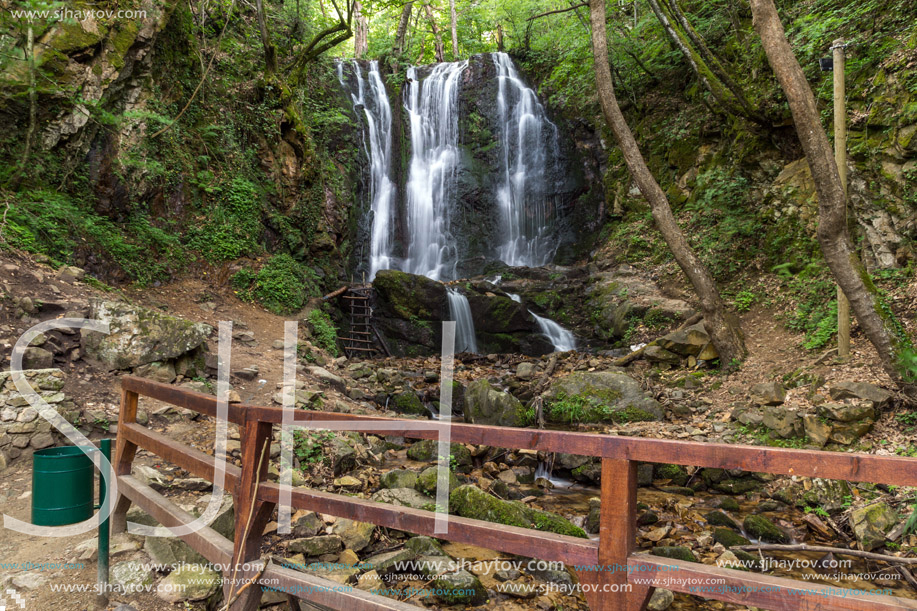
325 332
283 285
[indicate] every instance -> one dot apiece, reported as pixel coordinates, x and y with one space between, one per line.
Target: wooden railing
624 579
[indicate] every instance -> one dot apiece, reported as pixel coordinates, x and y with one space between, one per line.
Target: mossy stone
675 552
729 538
761 528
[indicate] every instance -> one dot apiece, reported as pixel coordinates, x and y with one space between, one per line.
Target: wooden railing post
251 516
607 588
124 457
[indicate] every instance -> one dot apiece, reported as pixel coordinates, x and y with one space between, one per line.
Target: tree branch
560 10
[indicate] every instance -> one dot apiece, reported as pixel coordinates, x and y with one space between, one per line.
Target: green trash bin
62 485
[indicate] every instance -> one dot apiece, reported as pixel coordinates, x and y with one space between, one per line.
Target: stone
848 433
728 538
403 497
381 563
306 524
817 430
599 396
428 450
139 335
37 358
70 274
660 600
718 518
830 494
370 581
41 440
343 456
861 390
408 403
424 546
784 421
131 577
871 523
507 575
326 377
460 588
761 528
398 478
158 371
657 354
768 393
525 371
354 535
675 552
428 481
316 546
472 502
485 404
188 582
675 473
686 342
30 580
348 481
847 412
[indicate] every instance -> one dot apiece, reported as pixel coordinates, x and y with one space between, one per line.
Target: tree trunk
876 319
21 170
500 37
270 54
437 35
722 326
360 33
403 28
454 25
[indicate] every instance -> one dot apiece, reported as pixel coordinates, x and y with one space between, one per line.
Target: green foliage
324 330
52 223
283 285
309 447
232 228
744 300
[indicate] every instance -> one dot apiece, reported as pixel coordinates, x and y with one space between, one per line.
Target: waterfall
561 339
378 150
460 312
432 105
529 146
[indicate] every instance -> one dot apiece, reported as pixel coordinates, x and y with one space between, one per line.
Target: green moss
471 502
675 552
729 538
676 473
760 527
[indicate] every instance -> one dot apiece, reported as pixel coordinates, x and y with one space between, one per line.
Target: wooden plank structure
360 341
612 574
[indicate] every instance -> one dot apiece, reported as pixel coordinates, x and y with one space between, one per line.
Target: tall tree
360 31
454 25
874 317
437 34
721 325
403 27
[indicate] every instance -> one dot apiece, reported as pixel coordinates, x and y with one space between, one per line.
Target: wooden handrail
624 579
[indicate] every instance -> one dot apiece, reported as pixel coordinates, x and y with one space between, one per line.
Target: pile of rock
689 346
21 428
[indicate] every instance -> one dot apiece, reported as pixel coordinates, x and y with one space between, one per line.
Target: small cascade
529 145
370 97
515 297
432 105
562 339
460 312
544 470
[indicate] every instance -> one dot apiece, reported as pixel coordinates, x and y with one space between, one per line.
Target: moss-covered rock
871 523
718 518
485 404
408 403
761 528
398 478
599 397
471 502
428 479
675 552
676 473
729 538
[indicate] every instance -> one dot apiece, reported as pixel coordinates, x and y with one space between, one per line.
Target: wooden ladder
360 342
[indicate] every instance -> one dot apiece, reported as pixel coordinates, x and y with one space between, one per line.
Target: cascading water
460 312
432 105
562 339
378 149
529 146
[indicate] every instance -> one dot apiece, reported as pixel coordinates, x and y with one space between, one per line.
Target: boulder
599 397
760 527
428 480
404 497
861 390
306 524
398 478
847 412
871 523
424 546
783 421
37 358
471 502
848 433
675 552
768 393
354 535
316 546
658 354
408 403
158 371
660 600
139 335
817 429
686 342
131 577
188 582
485 404
525 371
729 538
